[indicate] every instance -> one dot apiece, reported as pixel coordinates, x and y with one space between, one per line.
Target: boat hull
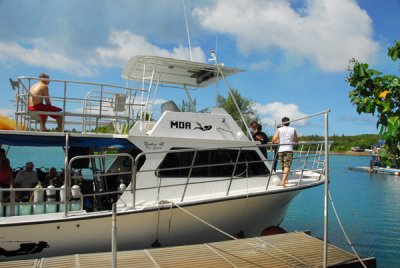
140 229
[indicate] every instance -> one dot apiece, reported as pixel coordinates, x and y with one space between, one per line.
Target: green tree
186 107
377 93
246 106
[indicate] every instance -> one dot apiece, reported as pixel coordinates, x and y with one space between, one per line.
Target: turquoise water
42 157
368 206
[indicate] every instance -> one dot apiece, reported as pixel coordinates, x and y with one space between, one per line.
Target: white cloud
326 32
272 113
125 44
39 54
262 65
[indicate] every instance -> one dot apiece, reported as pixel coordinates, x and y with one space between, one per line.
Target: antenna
187 30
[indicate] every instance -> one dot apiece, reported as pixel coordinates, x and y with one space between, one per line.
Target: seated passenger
6 177
53 178
27 178
39 92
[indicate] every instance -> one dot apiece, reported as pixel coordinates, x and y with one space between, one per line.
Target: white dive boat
157 171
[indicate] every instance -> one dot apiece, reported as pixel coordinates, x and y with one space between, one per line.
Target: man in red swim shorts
38 93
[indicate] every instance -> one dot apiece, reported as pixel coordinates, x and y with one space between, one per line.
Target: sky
295 52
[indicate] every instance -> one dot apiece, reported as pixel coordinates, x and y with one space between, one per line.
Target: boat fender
38 195
62 193
122 187
51 193
275 181
76 192
156 244
273 230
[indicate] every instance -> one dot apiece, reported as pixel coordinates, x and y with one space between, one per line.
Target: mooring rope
344 232
206 223
235 238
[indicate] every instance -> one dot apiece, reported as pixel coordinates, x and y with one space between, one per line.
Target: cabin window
178 164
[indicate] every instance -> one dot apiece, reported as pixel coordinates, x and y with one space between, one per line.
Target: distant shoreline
351 153
347 153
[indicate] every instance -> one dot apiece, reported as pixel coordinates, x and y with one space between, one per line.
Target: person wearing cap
39 93
286 136
258 135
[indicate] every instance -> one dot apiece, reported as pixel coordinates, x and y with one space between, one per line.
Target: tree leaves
245 105
374 92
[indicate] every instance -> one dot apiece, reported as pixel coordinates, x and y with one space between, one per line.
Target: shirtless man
38 93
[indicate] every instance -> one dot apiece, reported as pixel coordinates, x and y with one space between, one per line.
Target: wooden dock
283 250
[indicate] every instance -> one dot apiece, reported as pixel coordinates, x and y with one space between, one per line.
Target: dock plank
295 249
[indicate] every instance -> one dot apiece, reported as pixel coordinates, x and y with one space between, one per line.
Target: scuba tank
38 196
121 188
76 198
51 197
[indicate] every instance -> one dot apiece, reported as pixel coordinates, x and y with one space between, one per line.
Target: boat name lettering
188 125
154 145
181 124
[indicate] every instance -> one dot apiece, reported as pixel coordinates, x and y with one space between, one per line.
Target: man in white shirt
27 178
286 136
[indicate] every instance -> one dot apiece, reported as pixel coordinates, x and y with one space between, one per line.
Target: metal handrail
79 82
101 156
22 113
227 178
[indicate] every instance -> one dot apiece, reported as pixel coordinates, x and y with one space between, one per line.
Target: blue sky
295 51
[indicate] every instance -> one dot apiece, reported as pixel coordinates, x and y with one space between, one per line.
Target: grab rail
100 156
102 106
192 166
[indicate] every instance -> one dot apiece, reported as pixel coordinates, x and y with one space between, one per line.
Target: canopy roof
174 72
53 140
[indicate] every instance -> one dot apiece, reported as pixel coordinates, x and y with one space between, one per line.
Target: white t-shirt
286 135
26 179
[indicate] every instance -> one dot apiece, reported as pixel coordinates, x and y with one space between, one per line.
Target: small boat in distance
156 170
377 163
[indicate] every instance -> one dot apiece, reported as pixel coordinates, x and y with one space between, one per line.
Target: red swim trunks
45 108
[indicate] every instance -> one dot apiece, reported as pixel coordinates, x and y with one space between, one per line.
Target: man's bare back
38 92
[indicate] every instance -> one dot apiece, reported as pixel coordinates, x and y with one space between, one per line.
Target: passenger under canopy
59 140
174 72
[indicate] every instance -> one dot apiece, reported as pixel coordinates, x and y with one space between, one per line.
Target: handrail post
305 163
325 260
12 203
190 174
114 236
64 105
67 175
133 183
234 170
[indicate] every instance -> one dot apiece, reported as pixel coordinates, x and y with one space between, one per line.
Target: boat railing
99 177
16 206
302 168
69 197
85 106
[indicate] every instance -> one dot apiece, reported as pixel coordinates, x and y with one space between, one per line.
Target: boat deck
295 249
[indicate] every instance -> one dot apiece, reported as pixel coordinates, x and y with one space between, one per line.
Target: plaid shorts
286 159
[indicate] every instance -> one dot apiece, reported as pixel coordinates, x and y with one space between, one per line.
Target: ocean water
368 206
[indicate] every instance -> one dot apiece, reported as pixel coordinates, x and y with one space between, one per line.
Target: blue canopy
59 140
